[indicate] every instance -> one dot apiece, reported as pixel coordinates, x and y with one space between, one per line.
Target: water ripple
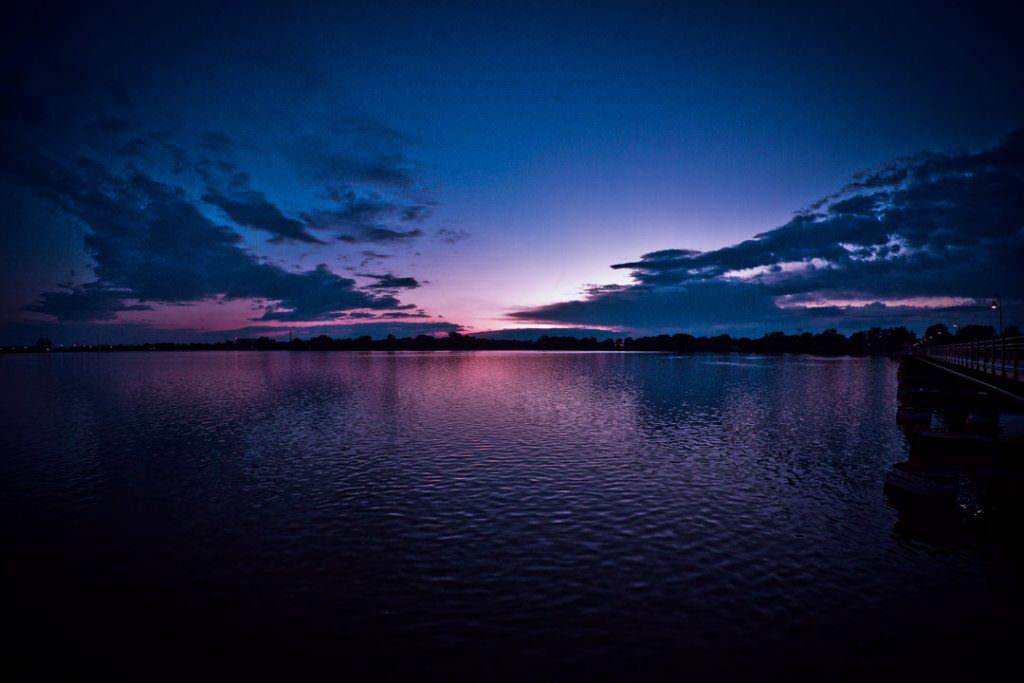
448 501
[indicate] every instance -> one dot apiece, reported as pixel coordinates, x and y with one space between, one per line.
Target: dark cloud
87 303
648 307
450 236
400 315
416 213
372 136
368 217
372 257
382 329
951 227
153 245
380 235
365 171
251 209
229 189
933 225
318 295
152 241
355 151
353 215
389 281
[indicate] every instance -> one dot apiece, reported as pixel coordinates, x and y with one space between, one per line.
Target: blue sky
185 171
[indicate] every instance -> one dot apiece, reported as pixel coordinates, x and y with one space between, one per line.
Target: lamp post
998 306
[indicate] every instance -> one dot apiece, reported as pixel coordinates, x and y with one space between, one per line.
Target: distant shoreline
876 341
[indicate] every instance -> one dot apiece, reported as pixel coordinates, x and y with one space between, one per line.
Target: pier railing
1001 357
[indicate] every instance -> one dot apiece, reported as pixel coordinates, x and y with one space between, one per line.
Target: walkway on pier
995 364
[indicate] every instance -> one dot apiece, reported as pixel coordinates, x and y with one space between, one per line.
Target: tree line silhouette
875 341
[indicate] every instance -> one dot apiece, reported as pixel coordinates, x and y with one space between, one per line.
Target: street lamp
998 306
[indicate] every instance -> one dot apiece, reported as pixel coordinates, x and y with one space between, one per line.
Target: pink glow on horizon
796 301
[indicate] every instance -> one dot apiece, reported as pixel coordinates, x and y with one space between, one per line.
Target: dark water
545 512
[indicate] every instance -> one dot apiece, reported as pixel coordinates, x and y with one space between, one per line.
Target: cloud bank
170 217
914 239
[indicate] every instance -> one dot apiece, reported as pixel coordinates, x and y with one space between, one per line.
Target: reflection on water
571 511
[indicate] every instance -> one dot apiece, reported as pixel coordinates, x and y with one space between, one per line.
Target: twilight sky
182 172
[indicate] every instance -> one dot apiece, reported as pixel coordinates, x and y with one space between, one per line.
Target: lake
552 513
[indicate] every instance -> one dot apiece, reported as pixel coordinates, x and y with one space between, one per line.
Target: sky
184 172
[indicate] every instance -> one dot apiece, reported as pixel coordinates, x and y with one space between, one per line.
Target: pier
961 408
995 363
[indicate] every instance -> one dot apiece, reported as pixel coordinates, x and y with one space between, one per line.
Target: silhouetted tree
971 333
937 334
830 342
